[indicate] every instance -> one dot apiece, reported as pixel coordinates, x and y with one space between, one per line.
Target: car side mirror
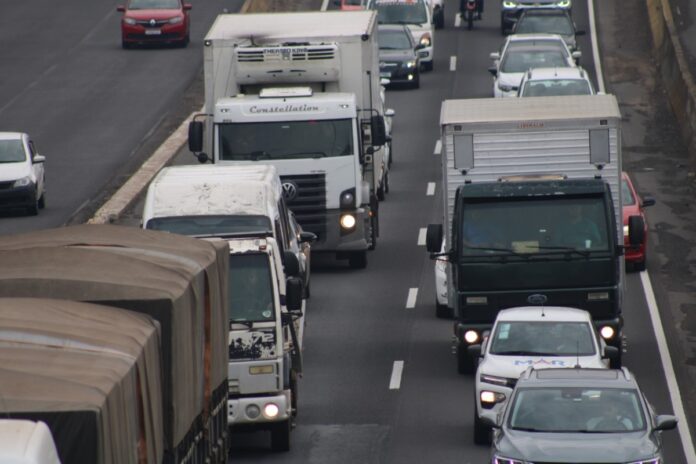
647 201
433 238
580 32
636 230
384 81
577 54
389 112
611 353
195 136
474 350
187 6
665 422
493 70
495 56
307 237
121 8
291 264
293 294
38 159
420 46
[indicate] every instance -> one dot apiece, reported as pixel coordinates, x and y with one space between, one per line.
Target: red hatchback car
633 206
154 21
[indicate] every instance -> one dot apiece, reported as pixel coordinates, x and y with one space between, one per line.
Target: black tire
358 260
386 178
503 29
391 155
640 265
33 210
280 437
443 311
482 433
42 201
416 82
440 19
469 20
465 364
294 392
125 45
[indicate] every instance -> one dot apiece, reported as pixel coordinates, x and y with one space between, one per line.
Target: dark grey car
549 21
398 58
511 10
578 416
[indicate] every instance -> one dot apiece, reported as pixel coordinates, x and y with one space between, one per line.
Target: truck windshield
250 288
286 140
211 225
533 338
535 226
400 12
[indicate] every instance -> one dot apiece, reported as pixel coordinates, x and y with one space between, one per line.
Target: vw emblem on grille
289 190
153 22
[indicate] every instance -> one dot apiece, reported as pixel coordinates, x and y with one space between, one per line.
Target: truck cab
266 324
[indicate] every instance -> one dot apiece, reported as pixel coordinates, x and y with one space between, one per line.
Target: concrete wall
674 70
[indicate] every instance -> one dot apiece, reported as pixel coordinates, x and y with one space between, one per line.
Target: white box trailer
302 91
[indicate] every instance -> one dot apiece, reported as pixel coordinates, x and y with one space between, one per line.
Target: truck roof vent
291 63
528 177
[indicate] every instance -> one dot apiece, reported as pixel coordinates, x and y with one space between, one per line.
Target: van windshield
280 140
250 288
212 225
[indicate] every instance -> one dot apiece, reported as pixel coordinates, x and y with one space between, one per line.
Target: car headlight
410 64
502 460
489 398
508 4
504 87
176 20
23 182
625 229
129 21
426 41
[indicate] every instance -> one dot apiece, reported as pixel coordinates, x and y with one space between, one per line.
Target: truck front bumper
250 411
339 239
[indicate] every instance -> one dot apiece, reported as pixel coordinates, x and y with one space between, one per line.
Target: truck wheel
280 437
482 433
465 365
443 311
358 260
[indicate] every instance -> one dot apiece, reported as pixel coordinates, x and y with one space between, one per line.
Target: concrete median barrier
674 70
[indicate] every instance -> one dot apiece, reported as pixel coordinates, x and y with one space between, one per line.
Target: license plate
153 32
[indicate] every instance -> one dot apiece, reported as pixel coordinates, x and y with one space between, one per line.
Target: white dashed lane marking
411 300
397 371
431 189
421 236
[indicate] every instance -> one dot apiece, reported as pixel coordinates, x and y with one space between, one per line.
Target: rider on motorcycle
479 8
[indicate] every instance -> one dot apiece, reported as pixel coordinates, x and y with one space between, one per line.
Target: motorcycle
470 12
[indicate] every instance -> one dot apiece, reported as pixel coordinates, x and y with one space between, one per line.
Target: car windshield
518 60
12 151
576 409
627 198
211 225
549 338
250 288
286 140
154 5
394 40
401 11
542 226
555 87
550 24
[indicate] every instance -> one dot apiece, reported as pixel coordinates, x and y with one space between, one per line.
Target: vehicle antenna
577 354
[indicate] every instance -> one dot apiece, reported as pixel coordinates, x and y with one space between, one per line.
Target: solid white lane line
421 236
457 20
453 63
431 189
595 46
397 371
411 300
438 148
672 385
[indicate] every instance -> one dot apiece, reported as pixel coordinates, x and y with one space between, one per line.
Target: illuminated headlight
348 221
501 460
270 411
649 461
471 336
504 87
489 397
252 411
23 182
176 20
625 229
410 64
258 370
607 332
410 77
477 300
508 4
129 21
598 296
494 379
426 41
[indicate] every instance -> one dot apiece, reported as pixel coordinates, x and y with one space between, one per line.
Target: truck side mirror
378 130
195 136
307 237
611 352
291 264
433 238
636 230
293 294
647 201
474 351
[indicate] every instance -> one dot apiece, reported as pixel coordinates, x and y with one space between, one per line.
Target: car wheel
482 433
639 265
391 154
416 82
465 364
381 194
358 260
386 179
443 311
280 437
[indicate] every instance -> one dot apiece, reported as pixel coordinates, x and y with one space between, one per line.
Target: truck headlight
510 4
348 221
411 64
252 411
426 41
271 410
607 332
471 336
23 182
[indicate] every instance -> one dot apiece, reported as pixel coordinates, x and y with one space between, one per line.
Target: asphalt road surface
94 108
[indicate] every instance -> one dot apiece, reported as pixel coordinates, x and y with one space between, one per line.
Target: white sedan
549 82
522 52
532 336
21 173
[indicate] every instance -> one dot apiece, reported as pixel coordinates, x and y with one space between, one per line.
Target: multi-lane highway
380 383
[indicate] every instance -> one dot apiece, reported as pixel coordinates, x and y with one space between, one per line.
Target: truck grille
305 195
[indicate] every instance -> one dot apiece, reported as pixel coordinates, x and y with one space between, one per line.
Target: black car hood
576 447
396 55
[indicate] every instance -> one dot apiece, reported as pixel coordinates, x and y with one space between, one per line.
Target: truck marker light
252 411
257 370
607 332
271 410
348 221
471 336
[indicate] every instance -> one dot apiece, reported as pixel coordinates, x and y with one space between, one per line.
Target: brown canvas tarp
91 372
179 281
